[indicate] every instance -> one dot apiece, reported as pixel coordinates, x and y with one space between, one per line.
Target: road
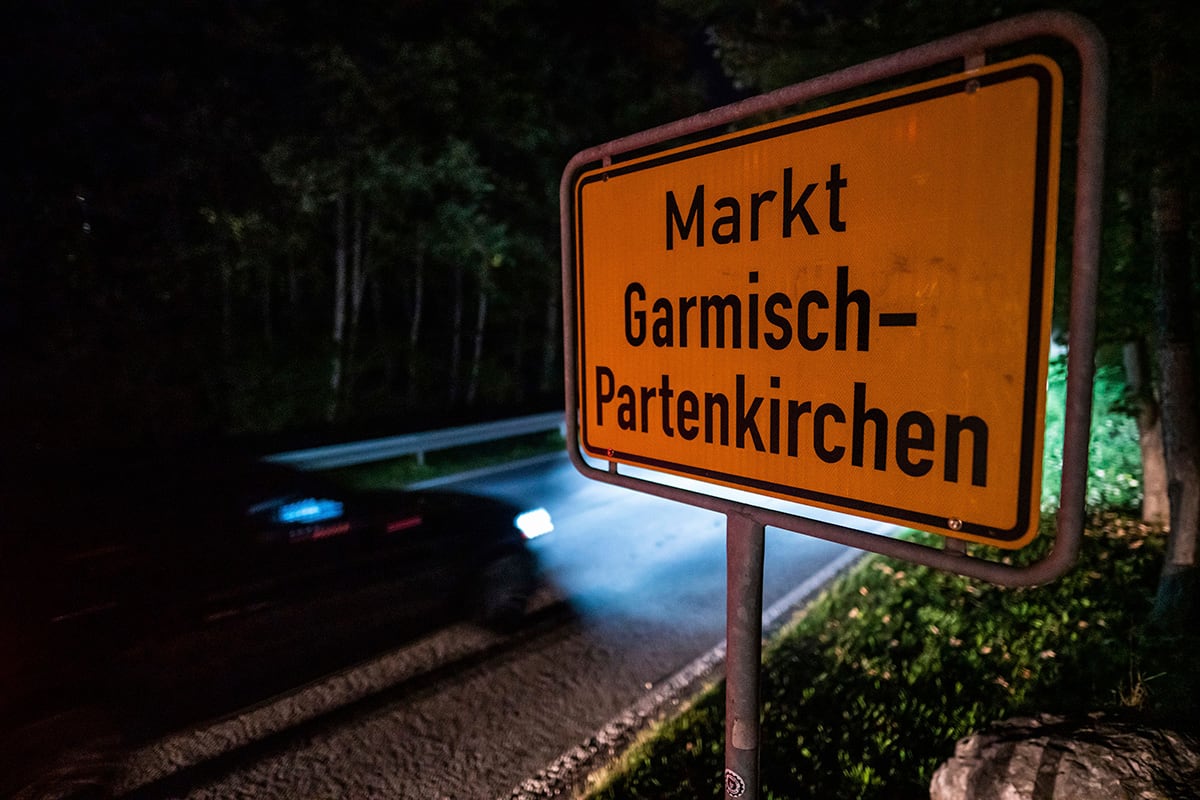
635 593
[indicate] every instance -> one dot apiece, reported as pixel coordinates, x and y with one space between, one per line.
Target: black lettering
955 425
772 423
746 422
648 394
793 210
756 202
720 402
720 304
810 299
862 302
773 418
834 186
687 413
830 455
906 442
603 395
664 323
795 412
781 322
665 393
686 304
752 315
879 422
627 409
631 316
695 218
733 220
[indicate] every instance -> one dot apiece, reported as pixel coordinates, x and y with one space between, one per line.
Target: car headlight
535 523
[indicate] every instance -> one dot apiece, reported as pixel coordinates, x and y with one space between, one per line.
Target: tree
1152 161
1172 95
202 180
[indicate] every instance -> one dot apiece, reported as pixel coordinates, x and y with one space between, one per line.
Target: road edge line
483 472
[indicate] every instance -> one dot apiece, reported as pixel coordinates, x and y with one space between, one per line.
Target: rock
1080 758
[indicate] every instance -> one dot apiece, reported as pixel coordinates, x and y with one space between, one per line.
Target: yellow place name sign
848 308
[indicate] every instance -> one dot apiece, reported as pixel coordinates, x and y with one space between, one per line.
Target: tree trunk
1175 605
375 286
552 343
414 331
340 258
456 339
265 307
226 304
293 280
226 371
1155 506
518 365
477 351
357 285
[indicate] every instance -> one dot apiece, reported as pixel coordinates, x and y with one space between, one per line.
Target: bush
868 690
1114 455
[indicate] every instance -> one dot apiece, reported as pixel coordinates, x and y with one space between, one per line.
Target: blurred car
146 593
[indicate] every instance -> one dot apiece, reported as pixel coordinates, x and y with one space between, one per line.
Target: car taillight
403 524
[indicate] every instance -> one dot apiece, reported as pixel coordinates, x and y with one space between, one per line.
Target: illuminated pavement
644 580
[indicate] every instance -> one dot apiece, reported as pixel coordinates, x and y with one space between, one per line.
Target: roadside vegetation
869 687
1114 458
408 470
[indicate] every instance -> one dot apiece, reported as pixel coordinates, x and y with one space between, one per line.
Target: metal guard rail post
381 449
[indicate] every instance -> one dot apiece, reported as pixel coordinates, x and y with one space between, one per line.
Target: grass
867 690
1114 459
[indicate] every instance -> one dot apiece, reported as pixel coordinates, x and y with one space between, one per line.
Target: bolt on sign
849 308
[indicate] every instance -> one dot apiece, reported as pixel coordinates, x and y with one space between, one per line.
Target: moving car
140 594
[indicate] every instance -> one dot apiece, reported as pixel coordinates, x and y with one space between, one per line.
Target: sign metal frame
745 523
615 226
971 47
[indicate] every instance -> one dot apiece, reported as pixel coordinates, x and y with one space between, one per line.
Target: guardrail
344 455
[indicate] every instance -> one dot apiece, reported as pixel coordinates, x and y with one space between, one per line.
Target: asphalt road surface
635 592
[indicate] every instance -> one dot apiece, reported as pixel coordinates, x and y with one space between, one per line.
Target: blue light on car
534 523
309 509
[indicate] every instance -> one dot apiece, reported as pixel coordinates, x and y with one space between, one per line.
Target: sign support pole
744 545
